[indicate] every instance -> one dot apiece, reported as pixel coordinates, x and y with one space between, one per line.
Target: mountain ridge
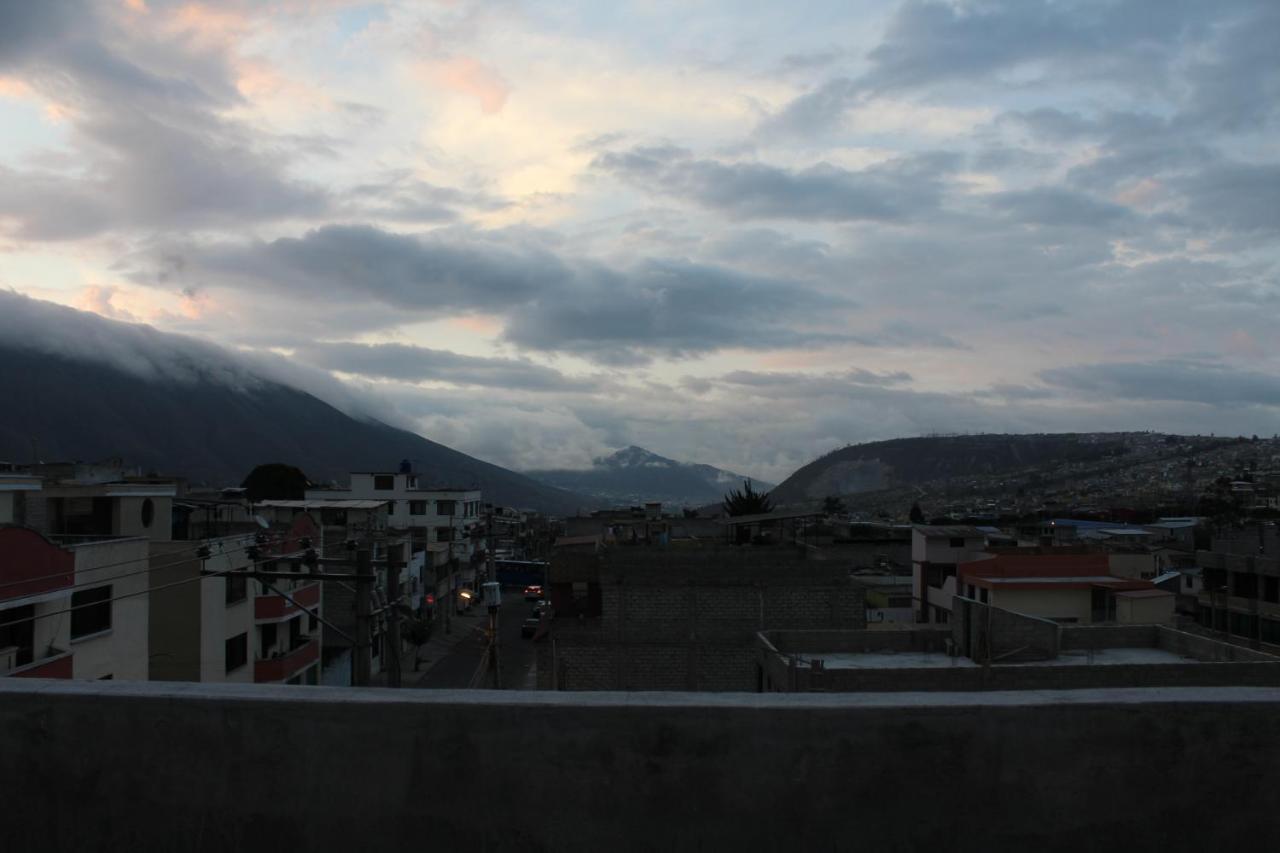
634 474
213 432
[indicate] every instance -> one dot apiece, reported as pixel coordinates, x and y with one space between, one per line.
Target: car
532 592
530 626
542 606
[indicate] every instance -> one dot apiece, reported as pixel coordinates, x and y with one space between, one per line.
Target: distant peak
633 456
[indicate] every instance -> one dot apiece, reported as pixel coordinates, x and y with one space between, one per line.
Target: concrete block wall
687 618
116 766
983 632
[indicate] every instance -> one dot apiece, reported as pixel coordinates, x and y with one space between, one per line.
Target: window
90 611
983 594
237 588
17 628
295 633
313 622
1243 625
1270 631
375 647
446 507
444 534
148 512
1187 581
417 507
937 573
1271 590
1244 585
236 651
957 542
267 633
384 482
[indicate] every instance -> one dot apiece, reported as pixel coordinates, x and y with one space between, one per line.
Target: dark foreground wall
90 766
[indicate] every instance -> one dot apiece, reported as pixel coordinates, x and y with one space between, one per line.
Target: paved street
457 665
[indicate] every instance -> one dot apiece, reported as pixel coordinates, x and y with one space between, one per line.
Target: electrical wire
221 551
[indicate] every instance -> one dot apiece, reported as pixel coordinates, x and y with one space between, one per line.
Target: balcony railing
285 666
273 607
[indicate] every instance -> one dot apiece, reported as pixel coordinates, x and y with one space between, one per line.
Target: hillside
904 462
634 475
209 431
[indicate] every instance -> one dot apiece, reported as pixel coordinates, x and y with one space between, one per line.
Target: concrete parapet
116 766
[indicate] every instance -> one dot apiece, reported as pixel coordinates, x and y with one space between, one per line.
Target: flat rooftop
940 660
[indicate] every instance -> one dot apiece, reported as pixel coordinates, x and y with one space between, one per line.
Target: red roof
1046 571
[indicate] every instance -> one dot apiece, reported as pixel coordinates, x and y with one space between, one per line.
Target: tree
833 505
917 514
746 501
275 482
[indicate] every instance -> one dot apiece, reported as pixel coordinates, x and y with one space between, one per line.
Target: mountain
634 475
79 387
906 462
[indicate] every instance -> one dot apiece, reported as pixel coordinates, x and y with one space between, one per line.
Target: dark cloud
420 364
436 273
1210 383
612 315
931 46
1240 196
1057 206
808 383
893 191
674 307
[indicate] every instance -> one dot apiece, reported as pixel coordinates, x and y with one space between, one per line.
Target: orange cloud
12 87
478 324
469 76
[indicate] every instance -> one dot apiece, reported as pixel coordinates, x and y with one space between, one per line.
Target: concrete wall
1147 610
123 651
685 619
218 767
1050 604
991 634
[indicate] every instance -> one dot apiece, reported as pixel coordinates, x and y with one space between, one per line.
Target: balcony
57 665
287 665
272 607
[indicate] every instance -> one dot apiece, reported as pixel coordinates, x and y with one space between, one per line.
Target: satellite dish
262 522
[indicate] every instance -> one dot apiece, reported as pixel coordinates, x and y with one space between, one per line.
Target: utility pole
364 637
394 563
448 603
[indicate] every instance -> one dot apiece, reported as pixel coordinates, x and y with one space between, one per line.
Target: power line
221 551
93 569
123 596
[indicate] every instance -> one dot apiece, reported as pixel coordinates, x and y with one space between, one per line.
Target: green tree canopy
917 514
833 505
275 482
746 501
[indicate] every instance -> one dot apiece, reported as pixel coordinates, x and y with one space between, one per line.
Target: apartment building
234 628
73 577
1240 590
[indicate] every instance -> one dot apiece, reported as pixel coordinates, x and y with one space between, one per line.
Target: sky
736 233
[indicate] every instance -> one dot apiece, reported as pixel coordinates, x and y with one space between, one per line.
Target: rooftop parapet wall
213 767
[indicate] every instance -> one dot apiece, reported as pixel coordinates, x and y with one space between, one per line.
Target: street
516 654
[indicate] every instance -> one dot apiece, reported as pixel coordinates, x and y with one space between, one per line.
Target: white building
936 551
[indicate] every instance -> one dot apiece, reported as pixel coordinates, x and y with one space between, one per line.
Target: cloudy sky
735 233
